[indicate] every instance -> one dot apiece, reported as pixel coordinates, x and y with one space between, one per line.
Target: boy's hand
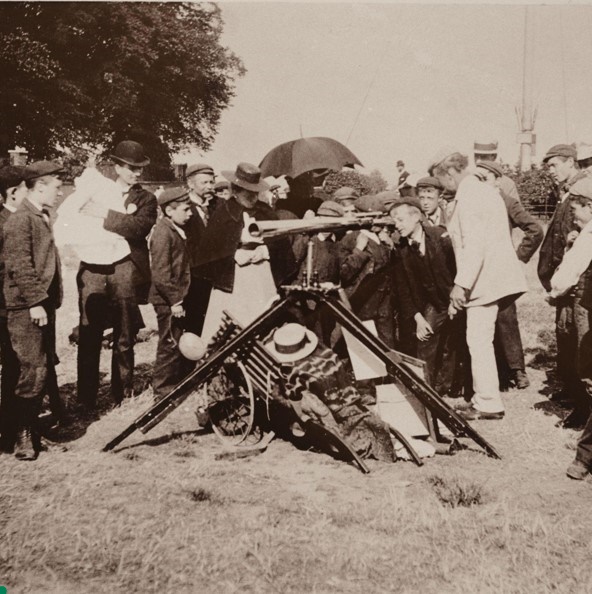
424 330
177 311
38 315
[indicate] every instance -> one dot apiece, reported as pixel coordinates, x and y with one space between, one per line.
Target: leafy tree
88 74
536 189
365 184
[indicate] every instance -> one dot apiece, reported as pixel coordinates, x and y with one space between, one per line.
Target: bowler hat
41 168
410 200
247 176
584 151
292 342
492 166
345 193
429 182
131 153
485 148
329 208
583 188
172 195
561 150
199 168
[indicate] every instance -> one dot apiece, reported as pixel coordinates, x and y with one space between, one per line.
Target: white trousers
480 331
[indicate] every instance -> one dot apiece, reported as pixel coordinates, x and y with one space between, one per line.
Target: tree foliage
88 74
536 189
365 184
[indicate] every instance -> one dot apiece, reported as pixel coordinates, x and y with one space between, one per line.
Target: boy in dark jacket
426 271
171 277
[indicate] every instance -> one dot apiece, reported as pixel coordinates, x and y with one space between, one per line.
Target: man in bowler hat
116 287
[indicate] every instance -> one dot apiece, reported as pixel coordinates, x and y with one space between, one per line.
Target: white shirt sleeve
574 264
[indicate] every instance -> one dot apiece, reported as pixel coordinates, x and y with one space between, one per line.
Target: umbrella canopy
307 154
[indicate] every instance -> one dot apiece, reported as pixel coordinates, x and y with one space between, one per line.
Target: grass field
162 514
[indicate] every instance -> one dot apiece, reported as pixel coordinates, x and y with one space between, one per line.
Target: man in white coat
488 272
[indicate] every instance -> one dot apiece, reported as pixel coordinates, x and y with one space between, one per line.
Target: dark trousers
35 349
574 350
507 341
106 292
196 304
8 382
170 366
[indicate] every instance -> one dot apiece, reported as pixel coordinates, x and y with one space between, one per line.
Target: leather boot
24 448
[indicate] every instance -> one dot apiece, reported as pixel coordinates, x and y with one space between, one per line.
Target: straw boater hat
292 342
247 176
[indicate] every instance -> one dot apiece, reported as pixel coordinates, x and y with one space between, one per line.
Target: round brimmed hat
429 182
485 148
41 168
561 150
199 168
292 342
131 153
172 195
248 177
492 166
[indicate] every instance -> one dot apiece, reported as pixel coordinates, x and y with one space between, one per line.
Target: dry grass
163 515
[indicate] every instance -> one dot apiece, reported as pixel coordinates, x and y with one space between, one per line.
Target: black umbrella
307 154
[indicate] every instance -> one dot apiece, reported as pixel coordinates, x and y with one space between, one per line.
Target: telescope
364 220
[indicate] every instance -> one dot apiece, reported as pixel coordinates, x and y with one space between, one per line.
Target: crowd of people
440 283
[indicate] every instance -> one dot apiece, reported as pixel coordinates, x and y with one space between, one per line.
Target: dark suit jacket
553 246
196 227
31 258
135 226
169 262
521 218
221 239
415 289
4 214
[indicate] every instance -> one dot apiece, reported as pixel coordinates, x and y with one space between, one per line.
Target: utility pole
526 114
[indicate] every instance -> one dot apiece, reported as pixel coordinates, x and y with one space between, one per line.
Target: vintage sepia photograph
295 297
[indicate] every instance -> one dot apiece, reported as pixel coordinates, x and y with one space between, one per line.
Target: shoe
472 414
25 449
577 470
574 420
520 378
561 397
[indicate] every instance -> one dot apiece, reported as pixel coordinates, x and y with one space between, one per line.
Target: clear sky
399 81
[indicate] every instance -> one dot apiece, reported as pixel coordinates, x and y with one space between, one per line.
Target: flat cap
11 176
41 168
582 187
345 193
492 166
221 185
329 208
561 150
173 194
584 151
444 152
381 202
485 148
409 200
199 168
429 182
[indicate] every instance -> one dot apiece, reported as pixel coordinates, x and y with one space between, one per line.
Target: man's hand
94 209
571 237
38 315
458 297
423 330
177 311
